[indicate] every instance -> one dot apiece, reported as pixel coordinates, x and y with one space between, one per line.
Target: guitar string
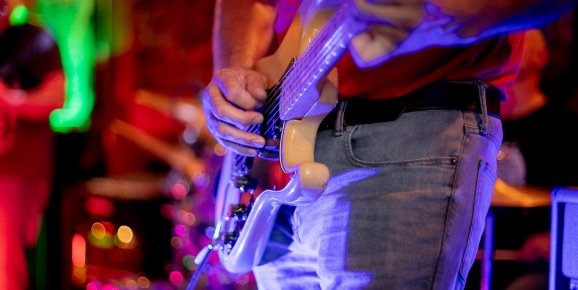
272 104
289 82
313 68
329 56
309 63
306 53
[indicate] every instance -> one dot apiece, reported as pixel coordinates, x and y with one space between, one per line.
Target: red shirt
494 61
28 53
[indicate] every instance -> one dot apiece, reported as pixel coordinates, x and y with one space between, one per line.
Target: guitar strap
339 128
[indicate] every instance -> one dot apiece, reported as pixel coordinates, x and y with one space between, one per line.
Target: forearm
398 28
242 33
490 18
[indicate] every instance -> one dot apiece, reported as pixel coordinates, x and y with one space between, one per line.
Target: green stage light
71 24
19 15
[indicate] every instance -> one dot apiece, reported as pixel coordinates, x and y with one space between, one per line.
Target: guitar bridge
236 218
239 212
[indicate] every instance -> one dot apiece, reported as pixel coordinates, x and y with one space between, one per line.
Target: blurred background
132 200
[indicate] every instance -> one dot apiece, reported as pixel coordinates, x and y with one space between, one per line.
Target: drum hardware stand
201 260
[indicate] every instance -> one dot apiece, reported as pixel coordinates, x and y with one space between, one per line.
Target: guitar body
304 93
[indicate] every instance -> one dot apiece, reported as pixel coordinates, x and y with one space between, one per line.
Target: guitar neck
298 98
315 62
329 32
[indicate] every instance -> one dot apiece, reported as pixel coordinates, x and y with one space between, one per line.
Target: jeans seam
442 160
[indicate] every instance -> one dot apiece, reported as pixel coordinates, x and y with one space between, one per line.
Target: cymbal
186 110
137 187
524 196
178 157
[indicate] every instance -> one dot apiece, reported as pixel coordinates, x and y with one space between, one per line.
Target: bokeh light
143 282
176 243
201 180
124 236
78 251
101 234
92 286
110 287
179 191
185 217
176 278
98 206
189 262
98 230
180 230
79 275
130 284
19 15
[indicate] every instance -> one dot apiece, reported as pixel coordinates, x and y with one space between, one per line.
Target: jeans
404 208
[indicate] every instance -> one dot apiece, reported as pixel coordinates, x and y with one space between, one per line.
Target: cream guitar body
302 90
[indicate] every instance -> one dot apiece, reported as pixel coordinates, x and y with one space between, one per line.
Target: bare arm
404 27
489 18
243 33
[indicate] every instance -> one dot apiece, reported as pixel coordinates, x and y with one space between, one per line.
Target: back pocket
483 197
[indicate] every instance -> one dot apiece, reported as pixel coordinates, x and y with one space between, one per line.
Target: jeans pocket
486 179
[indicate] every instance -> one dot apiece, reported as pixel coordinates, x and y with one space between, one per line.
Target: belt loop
339 126
483 106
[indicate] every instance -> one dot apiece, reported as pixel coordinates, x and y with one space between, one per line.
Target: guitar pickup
246 183
239 212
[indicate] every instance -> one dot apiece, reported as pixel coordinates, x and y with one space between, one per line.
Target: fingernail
259 142
257 120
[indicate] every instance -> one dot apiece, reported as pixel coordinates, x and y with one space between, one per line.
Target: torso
494 61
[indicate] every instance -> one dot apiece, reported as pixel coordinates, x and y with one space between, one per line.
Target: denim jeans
404 208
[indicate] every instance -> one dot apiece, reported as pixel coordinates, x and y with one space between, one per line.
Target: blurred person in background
31 87
537 151
525 102
524 99
536 126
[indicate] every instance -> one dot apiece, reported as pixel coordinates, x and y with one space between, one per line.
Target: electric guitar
302 90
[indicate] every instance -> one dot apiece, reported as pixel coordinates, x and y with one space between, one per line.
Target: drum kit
190 159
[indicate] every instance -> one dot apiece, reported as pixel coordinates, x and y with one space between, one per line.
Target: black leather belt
440 95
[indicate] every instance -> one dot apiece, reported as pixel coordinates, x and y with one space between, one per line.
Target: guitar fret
290 98
329 45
